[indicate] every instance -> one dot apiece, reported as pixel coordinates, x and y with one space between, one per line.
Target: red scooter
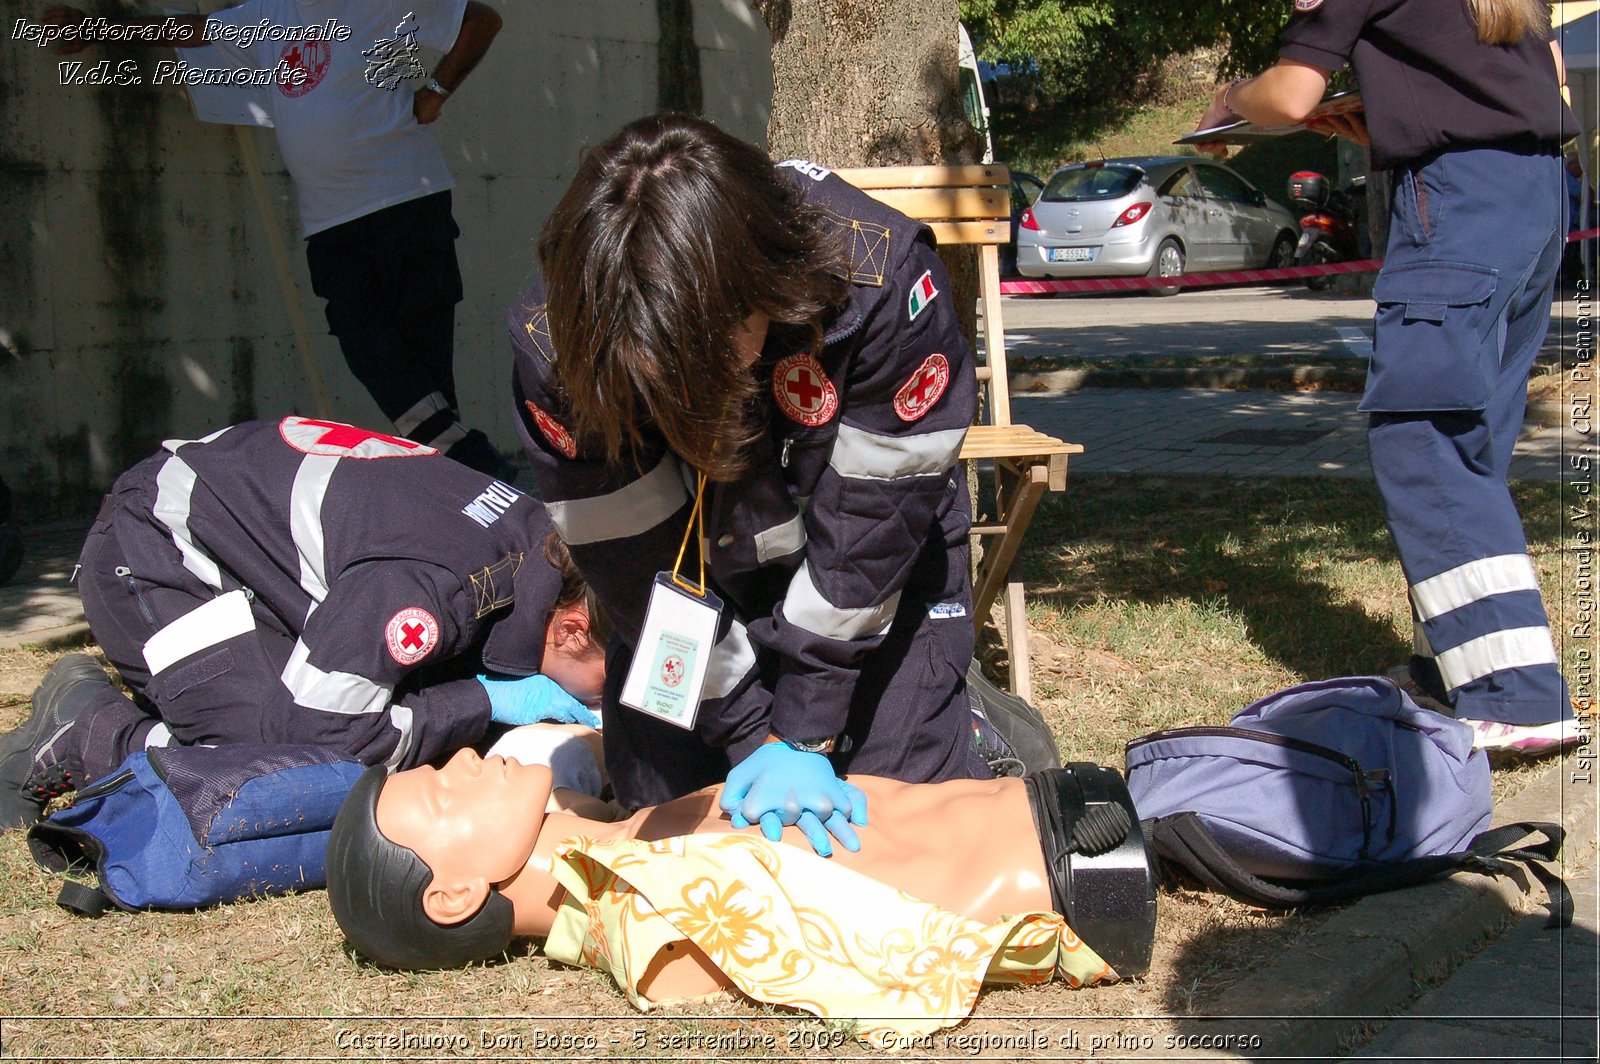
1328 222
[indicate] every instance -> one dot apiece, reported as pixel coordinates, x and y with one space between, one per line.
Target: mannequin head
415 860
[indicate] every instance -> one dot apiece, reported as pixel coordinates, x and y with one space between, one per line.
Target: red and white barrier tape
1028 287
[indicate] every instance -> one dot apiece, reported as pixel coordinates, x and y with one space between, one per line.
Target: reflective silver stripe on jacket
628 511
865 455
403 720
173 445
305 523
174 494
731 661
806 608
331 692
780 541
203 627
1473 582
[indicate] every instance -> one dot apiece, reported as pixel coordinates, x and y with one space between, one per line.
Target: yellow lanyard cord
697 525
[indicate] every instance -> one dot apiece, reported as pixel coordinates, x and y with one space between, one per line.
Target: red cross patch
917 395
804 393
1307 5
334 439
311 56
411 634
672 670
552 430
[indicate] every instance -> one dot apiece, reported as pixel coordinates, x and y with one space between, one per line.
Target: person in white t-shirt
371 182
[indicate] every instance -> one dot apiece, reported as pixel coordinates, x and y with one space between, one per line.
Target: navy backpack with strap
1324 792
191 826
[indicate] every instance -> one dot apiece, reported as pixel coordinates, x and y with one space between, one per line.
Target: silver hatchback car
1151 217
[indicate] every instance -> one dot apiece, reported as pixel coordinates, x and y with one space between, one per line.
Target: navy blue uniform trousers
1475 240
392 284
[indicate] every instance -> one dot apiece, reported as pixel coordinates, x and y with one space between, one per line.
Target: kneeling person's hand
531 699
779 785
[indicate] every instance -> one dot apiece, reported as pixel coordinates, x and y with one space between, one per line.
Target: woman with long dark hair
760 361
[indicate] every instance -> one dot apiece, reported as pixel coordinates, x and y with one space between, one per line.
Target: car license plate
1072 254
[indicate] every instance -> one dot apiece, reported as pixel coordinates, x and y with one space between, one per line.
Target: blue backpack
1324 792
191 826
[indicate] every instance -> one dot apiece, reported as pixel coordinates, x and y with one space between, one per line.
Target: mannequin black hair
375 887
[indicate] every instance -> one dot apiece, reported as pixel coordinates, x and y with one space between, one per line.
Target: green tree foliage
1092 50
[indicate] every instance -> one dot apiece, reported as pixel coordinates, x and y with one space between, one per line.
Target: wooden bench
972 205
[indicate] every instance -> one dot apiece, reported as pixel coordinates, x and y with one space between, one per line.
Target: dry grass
1154 603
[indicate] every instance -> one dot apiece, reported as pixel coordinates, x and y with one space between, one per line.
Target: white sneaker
1497 738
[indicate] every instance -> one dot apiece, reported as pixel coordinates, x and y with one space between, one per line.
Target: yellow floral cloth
787 927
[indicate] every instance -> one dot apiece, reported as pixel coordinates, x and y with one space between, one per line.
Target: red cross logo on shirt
803 391
411 634
311 58
917 396
337 440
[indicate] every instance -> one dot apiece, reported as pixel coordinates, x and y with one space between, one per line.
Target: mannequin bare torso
969 846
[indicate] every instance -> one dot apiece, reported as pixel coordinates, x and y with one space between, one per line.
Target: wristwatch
812 746
432 85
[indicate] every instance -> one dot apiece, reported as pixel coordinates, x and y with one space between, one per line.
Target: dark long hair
575 591
671 234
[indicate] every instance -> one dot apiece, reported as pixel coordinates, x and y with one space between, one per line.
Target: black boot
1010 734
38 760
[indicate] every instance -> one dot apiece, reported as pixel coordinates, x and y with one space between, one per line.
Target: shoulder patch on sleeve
537 326
494 586
923 292
1307 5
554 432
868 247
917 395
411 634
803 391
334 439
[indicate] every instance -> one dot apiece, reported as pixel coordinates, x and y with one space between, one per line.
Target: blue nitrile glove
530 699
779 785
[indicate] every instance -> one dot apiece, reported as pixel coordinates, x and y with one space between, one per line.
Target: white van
972 101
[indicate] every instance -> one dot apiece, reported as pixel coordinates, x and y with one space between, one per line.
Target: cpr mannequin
443 867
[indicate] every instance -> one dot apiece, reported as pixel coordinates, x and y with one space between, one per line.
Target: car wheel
1169 263
1282 252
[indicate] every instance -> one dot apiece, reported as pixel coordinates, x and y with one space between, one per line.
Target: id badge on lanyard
671 658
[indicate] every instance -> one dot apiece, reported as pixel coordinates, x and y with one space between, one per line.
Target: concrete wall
138 300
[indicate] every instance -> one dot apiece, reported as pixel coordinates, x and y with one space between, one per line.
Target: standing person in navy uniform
774 342
1462 105
310 583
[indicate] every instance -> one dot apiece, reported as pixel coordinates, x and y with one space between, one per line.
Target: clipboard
1242 132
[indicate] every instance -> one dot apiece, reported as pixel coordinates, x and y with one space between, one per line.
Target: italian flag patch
922 294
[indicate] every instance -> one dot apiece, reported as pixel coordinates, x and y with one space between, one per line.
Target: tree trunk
866 82
872 83
678 82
